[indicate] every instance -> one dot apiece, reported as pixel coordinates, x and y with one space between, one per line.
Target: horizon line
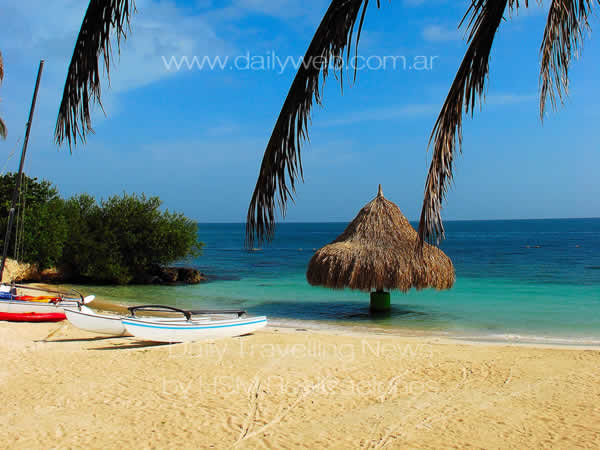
416 220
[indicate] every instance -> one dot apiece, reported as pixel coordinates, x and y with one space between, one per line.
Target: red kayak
32 317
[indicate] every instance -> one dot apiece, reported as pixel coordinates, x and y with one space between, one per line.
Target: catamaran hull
32 317
25 307
88 320
192 332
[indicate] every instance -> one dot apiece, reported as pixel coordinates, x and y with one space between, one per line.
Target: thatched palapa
377 252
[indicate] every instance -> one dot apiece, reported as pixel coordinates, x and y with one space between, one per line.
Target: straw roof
377 252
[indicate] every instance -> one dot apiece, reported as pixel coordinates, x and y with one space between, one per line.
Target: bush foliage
118 240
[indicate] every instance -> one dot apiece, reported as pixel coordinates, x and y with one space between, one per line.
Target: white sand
64 388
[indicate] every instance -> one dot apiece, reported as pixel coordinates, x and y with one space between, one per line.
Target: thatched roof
377 252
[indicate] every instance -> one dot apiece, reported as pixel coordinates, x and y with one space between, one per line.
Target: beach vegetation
39 226
116 240
122 238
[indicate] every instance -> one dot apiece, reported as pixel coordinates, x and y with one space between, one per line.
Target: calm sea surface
522 280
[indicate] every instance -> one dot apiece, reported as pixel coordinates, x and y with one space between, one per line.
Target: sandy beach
292 388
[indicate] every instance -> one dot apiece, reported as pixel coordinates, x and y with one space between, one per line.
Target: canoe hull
25 307
32 317
86 319
192 331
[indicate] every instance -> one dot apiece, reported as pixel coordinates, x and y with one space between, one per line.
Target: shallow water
531 280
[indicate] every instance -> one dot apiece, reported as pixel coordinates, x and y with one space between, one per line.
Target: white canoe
88 320
192 330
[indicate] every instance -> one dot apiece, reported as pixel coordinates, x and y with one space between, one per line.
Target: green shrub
43 229
118 241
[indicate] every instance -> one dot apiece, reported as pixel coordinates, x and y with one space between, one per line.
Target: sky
195 137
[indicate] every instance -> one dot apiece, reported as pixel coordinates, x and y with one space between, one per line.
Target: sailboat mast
11 213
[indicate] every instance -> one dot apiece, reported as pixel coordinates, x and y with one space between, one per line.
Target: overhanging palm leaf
567 22
484 18
282 155
102 18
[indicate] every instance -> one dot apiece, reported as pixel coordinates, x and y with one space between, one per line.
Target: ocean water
517 280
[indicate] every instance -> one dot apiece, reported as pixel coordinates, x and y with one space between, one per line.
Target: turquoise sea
517 280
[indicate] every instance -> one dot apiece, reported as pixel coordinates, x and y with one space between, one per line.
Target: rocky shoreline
171 275
29 273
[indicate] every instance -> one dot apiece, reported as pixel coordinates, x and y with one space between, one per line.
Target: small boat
11 303
191 329
32 317
86 319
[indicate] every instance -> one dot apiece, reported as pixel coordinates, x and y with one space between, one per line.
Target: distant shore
292 387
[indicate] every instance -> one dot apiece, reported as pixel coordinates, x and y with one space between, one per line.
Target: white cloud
509 99
413 111
161 29
439 33
31 30
281 8
383 114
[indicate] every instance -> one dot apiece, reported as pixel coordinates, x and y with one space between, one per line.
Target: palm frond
82 86
484 18
282 155
1 67
2 129
563 37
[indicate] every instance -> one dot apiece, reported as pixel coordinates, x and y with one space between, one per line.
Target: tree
80 250
124 237
40 228
117 241
2 124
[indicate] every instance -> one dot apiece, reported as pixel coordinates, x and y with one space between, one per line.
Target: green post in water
380 301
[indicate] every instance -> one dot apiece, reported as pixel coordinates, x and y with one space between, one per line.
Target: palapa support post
380 301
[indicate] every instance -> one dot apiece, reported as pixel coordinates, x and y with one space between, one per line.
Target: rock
54 275
169 274
19 272
190 276
147 278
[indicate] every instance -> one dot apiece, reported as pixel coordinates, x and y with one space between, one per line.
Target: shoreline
365 330
350 329
442 337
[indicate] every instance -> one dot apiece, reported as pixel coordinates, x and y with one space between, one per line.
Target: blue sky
196 137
